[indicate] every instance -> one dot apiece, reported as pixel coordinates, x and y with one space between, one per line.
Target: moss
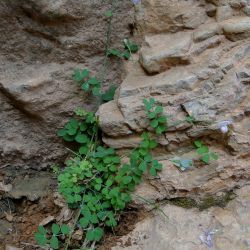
221 201
183 202
205 203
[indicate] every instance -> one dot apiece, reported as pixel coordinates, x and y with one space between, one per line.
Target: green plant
190 119
51 240
129 48
87 82
92 84
204 152
154 112
80 130
96 183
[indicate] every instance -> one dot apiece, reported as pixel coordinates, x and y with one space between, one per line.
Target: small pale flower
136 1
223 126
207 238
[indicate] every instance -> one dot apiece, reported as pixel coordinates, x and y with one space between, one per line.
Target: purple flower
207 238
136 1
223 126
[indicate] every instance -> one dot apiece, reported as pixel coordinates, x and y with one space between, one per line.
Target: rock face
41 43
176 228
201 72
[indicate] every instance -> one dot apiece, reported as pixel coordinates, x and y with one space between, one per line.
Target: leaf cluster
129 48
203 151
155 114
44 238
80 130
93 85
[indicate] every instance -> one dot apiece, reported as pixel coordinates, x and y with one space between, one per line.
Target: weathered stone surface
223 13
113 126
237 28
198 182
213 87
206 31
176 228
31 188
42 42
161 16
164 51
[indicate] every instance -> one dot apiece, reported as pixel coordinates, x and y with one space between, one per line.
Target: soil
127 223
26 219
23 216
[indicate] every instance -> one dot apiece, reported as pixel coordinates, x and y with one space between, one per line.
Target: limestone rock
237 28
176 228
9 247
164 16
206 31
31 187
42 43
212 87
164 51
223 13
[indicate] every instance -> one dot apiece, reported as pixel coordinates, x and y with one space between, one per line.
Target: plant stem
74 225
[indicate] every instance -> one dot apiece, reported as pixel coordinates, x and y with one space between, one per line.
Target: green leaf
202 150
42 230
126 55
198 143
143 166
190 119
143 151
112 168
153 171
69 138
80 75
98 187
83 150
153 144
205 158
54 243
96 91
214 156
77 75
65 229
158 109
109 183
55 229
114 52
159 130
109 13
84 222
145 144
147 104
72 131
109 94
162 119
132 47
62 132
84 73
126 179
93 81
85 86
40 239
81 138
154 123
95 234
151 115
